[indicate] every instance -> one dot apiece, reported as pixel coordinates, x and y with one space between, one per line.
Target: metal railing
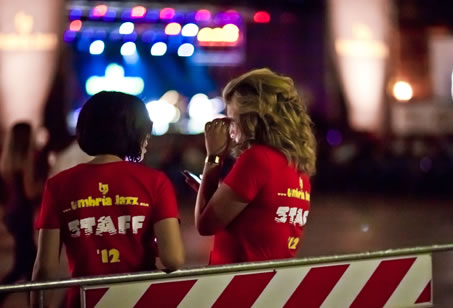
209 270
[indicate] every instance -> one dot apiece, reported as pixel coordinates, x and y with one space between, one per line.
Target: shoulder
67 173
144 169
63 178
146 174
261 153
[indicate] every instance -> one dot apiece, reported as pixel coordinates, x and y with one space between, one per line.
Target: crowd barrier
390 278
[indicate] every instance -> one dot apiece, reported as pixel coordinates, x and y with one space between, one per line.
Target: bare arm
169 241
217 211
47 262
216 206
208 186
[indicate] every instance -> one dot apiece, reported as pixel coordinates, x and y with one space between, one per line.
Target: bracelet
213 159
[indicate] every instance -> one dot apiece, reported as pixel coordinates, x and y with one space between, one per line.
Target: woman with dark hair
259 211
23 192
112 214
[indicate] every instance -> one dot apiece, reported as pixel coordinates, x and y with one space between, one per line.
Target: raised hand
217 136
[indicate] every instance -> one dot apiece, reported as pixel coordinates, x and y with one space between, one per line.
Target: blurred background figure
24 186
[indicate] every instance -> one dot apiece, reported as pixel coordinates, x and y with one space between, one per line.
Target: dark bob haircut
113 123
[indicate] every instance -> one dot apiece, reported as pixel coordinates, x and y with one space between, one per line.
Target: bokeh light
203 15
158 49
190 30
173 28
138 11
402 91
97 47
99 10
334 137
128 49
75 25
167 13
261 17
162 113
186 50
126 28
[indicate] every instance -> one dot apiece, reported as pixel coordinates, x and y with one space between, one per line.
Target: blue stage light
83 44
126 15
147 36
130 37
110 15
100 34
69 36
75 13
115 36
152 16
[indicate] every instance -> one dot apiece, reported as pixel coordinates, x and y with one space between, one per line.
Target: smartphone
193 176
192 180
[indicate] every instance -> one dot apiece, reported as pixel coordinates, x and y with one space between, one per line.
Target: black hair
113 123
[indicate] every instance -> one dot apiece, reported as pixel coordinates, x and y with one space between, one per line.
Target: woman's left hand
217 136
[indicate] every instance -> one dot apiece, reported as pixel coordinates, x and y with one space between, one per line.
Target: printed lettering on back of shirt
297 193
105 200
105 225
292 215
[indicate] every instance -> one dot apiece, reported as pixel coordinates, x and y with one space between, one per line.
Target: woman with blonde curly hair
259 211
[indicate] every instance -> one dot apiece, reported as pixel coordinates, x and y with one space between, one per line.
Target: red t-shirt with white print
105 213
271 226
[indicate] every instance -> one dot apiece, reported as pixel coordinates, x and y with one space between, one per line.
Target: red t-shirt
106 213
272 224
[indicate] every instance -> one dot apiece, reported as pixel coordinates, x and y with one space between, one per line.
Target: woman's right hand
217 136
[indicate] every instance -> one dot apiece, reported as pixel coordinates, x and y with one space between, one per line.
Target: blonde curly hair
272 113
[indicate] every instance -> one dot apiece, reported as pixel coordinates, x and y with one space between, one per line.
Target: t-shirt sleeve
165 205
49 215
246 176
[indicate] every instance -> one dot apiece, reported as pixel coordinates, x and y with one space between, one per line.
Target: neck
105 158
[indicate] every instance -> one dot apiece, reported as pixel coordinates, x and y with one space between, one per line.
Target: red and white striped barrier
389 282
